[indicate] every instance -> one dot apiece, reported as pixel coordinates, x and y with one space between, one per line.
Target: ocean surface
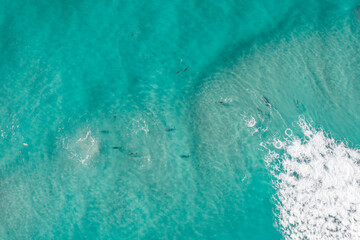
179 119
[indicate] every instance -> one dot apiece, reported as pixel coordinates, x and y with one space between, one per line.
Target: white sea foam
318 186
84 148
138 125
250 122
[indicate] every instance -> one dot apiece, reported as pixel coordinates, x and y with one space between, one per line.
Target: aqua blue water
179 119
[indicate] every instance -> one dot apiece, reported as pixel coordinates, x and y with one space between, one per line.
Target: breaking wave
318 185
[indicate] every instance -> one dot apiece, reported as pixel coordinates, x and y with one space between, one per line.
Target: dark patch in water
266 101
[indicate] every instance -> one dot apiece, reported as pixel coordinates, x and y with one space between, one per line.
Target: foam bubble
318 186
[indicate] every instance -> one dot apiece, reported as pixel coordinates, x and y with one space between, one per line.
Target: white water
318 186
83 147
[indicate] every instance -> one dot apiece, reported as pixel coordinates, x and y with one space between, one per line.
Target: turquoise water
83 84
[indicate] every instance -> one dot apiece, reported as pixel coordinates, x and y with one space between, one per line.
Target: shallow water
88 90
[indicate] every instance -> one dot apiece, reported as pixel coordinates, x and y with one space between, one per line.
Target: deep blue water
179 119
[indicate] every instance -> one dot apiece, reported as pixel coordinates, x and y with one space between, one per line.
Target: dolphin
266 101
